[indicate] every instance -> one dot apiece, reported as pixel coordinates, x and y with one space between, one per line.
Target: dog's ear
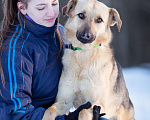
114 18
69 7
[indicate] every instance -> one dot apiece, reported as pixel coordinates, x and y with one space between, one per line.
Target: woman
31 51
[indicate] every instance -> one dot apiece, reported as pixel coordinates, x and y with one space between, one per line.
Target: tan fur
85 114
50 111
91 74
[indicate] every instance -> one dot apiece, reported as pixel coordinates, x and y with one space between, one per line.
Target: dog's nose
86 36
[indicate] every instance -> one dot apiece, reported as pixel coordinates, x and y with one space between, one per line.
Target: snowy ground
138 83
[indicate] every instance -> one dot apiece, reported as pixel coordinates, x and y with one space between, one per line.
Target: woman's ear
22 8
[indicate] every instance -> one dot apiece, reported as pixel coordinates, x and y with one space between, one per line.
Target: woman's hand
96 112
74 115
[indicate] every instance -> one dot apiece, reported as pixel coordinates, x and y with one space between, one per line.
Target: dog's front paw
50 113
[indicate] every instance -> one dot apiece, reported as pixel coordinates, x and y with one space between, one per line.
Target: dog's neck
69 46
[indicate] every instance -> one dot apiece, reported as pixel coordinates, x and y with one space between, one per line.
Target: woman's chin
48 23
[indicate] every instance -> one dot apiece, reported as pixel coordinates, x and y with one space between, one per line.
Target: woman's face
43 12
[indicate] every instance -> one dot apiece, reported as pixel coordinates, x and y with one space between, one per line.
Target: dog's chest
84 68
89 78
84 58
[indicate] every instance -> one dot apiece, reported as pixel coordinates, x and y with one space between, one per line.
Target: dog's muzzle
85 37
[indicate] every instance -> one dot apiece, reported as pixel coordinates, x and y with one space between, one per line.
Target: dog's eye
99 20
81 16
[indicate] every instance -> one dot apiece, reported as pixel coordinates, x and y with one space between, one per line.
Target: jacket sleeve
15 92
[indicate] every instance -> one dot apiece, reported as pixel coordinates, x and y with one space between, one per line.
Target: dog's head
89 21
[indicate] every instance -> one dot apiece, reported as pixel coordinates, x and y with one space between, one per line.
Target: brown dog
90 71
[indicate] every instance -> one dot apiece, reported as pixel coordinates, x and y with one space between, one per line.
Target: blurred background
132 49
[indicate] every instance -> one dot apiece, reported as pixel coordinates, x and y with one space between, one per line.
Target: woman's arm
15 93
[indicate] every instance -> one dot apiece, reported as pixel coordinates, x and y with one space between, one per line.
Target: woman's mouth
49 20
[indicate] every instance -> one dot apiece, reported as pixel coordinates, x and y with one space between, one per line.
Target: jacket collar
35 28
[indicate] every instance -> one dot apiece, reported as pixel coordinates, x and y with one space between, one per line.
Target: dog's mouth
85 37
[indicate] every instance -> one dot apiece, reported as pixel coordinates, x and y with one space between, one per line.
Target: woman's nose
50 12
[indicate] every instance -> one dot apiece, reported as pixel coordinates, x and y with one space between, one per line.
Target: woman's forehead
42 1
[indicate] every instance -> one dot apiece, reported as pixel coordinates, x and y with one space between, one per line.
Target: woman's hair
11 13
10 16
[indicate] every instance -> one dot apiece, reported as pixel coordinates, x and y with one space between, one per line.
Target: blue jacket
32 67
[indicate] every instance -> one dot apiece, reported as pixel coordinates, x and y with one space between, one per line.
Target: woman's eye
99 20
55 4
81 16
41 8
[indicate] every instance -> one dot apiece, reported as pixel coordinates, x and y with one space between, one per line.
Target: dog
90 71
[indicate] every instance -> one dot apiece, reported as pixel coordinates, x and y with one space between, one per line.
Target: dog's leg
124 114
64 99
86 114
59 108
50 113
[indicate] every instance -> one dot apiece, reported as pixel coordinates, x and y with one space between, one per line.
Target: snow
138 83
